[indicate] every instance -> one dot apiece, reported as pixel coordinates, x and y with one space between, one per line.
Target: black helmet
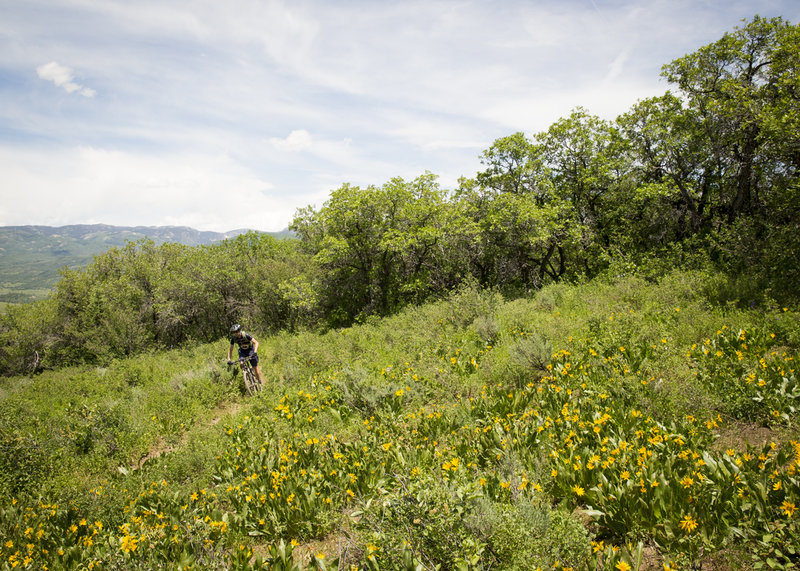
236 327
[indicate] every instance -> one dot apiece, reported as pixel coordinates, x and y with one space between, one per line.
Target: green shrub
362 392
486 328
527 358
24 464
530 535
426 523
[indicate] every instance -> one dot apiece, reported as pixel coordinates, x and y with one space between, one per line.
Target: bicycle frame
251 382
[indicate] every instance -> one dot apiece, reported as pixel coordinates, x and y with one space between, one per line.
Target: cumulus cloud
63 76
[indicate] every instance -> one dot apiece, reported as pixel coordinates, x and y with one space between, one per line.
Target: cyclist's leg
256 367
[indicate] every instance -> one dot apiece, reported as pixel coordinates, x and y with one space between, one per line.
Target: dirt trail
161 447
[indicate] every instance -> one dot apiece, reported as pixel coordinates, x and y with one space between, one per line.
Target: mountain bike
251 382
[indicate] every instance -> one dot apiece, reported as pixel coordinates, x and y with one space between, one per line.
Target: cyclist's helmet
236 327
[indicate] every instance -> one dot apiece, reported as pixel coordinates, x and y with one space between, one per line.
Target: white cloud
301 143
298 140
62 76
606 99
436 134
617 67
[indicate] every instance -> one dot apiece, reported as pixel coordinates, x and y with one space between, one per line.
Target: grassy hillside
31 256
606 426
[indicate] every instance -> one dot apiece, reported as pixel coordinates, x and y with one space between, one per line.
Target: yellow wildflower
688 524
129 544
788 508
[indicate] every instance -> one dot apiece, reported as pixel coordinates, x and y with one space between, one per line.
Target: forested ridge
584 357
31 257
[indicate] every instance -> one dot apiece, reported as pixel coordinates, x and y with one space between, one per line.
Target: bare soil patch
739 435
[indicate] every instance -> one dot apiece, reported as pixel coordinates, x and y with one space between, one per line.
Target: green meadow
627 425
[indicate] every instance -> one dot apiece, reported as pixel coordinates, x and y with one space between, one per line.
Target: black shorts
252 357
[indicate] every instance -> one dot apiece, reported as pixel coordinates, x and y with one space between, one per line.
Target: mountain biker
248 348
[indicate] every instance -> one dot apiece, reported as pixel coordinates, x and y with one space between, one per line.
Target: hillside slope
590 427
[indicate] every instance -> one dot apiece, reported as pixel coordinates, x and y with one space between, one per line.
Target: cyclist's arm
230 351
255 345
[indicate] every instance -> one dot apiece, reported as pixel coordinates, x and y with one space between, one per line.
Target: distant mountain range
31 256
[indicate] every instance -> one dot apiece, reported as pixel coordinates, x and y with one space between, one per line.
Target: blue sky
226 115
